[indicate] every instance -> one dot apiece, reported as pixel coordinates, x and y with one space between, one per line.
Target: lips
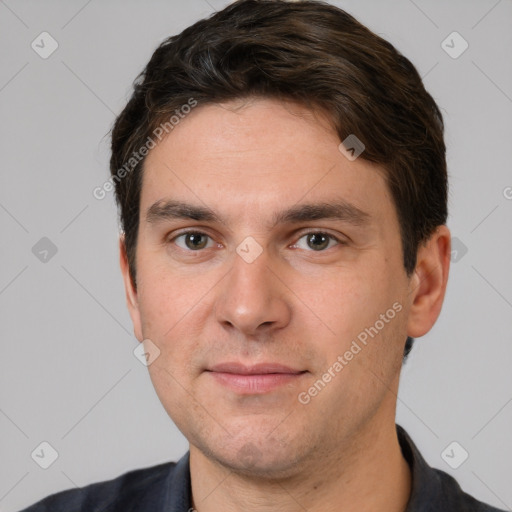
255 379
257 369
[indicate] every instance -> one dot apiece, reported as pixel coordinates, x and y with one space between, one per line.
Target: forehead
261 154
242 130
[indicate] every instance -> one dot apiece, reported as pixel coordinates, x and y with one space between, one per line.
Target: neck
368 474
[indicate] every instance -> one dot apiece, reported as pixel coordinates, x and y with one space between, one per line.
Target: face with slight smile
262 254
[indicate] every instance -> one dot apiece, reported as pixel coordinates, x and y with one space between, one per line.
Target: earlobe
428 284
130 291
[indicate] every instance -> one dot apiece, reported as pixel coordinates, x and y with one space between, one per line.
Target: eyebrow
337 210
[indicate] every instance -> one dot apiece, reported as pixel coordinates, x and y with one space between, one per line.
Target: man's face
252 309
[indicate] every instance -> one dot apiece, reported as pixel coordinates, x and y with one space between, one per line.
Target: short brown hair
312 53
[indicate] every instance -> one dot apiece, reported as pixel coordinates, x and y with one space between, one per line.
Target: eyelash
313 232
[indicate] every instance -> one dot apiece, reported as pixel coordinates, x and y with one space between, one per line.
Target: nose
253 298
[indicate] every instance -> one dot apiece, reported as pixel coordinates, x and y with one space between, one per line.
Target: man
281 177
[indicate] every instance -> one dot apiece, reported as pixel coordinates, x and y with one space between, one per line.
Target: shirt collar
178 495
426 487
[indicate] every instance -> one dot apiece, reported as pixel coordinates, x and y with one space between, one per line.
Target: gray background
67 372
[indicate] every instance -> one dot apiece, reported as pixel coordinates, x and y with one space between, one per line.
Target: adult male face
247 326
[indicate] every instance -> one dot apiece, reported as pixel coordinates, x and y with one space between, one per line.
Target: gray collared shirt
166 488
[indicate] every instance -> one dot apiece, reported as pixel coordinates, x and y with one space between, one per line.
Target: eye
193 240
317 240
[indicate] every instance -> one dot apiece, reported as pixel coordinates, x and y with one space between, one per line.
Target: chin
263 456
252 463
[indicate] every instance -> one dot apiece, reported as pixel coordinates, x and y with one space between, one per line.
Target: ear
130 291
428 283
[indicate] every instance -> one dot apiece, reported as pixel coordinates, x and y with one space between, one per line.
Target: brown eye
318 241
193 240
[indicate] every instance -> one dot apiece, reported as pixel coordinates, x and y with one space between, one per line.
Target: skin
294 304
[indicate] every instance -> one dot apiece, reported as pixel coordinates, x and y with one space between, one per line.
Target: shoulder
454 498
137 488
434 490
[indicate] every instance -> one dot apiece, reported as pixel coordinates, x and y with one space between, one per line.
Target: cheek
165 298
174 311
352 298
367 307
